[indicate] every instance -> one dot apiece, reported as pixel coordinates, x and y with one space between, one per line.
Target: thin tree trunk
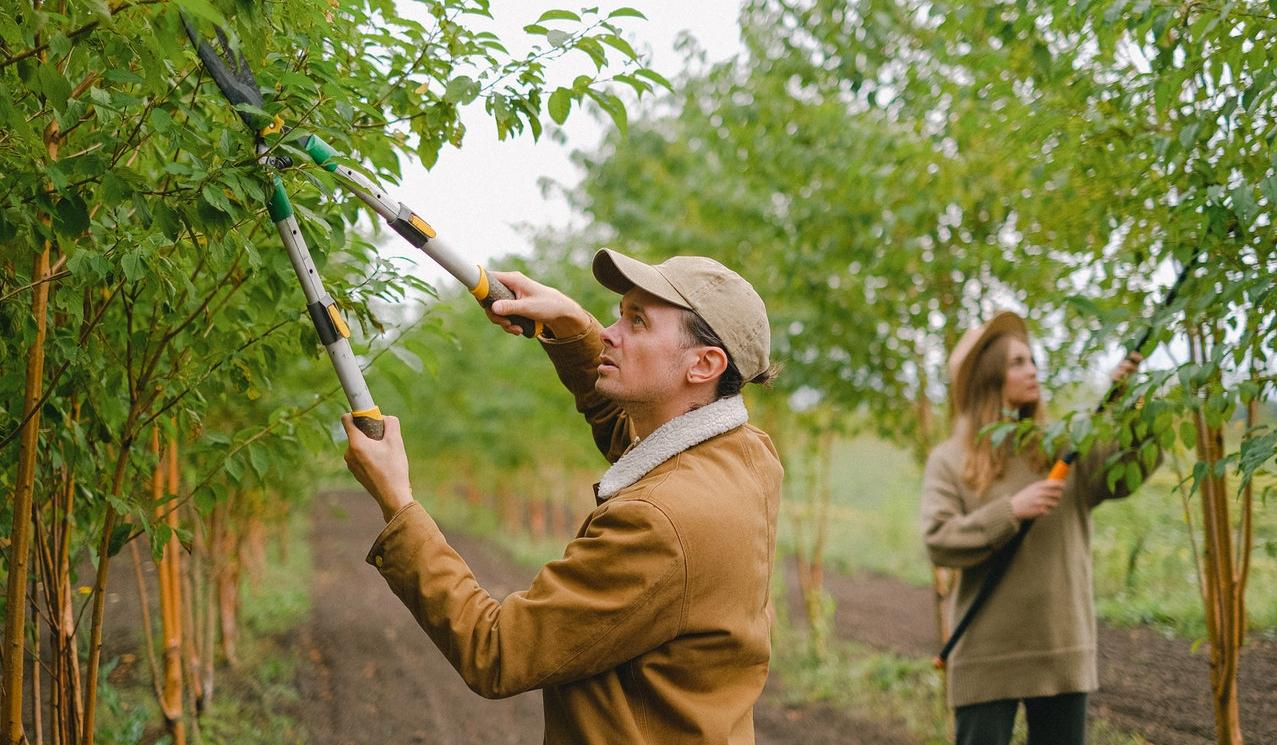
208 637
20 547
37 722
227 585
191 572
45 578
170 594
99 583
70 701
15 626
536 518
1220 590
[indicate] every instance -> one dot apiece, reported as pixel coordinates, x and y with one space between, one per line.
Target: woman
1034 639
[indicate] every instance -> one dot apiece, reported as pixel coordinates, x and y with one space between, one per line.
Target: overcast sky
478 195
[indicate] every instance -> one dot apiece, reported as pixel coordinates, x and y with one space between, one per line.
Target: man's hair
698 333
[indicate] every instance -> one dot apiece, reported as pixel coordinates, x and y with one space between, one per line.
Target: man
654 626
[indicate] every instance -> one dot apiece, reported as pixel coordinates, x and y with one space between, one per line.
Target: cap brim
620 274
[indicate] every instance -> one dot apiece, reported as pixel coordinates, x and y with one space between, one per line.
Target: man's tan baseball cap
727 303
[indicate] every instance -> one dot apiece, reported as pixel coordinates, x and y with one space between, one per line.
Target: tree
133 226
893 171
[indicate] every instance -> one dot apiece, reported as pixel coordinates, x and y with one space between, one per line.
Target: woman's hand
1037 499
1129 364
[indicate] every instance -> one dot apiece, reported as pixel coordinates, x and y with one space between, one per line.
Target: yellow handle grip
370 422
489 290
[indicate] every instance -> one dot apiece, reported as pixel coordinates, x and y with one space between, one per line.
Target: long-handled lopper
230 70
1059 472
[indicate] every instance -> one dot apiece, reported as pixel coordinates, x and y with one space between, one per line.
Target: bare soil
1151 684
371 675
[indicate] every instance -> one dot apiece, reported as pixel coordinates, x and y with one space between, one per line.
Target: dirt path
373 676
1149 684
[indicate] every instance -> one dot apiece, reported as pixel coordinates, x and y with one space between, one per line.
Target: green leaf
161 120
133 265
617 42
55 87
119 536
215 198
1188 434
257 459
204 10
1244 205
655 77
59 45
626 13
1134 476
71 216
123 77
461 90
408 358
594 50
558 15
557 38
560 104
1269 189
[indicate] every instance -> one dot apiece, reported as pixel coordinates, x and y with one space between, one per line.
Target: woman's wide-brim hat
965 353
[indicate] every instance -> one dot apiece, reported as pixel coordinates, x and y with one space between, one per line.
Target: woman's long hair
981 406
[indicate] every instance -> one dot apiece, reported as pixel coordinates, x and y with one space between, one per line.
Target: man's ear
710 364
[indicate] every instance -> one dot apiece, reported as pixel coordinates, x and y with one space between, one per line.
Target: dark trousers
1053 720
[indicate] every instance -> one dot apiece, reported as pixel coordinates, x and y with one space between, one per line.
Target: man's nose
609 334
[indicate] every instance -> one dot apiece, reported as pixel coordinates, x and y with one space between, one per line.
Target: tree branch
76 34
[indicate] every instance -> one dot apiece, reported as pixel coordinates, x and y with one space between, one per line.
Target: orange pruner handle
1059 471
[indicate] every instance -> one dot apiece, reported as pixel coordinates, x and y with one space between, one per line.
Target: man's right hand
1037 499
562 315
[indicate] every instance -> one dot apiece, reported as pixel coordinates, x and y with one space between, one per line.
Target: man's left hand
380 465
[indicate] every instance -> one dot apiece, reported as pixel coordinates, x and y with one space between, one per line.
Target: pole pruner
230 71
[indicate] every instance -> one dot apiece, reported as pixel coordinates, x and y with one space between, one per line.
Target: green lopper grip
321 152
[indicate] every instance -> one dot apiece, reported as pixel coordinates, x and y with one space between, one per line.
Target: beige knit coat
1036 634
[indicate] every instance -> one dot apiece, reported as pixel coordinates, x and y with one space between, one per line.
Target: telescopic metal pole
333 332
415 230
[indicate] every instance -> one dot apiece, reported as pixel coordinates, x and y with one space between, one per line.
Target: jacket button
379 560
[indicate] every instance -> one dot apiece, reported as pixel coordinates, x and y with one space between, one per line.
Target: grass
873 513
1144 566
254 705
527 551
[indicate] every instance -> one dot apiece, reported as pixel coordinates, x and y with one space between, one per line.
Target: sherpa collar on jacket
670 439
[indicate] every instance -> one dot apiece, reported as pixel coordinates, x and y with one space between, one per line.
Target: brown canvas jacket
654 626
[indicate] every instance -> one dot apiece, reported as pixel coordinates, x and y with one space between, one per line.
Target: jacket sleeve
576 360
954 537
618 592
1092 473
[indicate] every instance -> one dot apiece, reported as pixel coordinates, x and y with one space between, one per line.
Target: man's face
645 353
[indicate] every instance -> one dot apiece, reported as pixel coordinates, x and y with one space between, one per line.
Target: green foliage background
886 172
